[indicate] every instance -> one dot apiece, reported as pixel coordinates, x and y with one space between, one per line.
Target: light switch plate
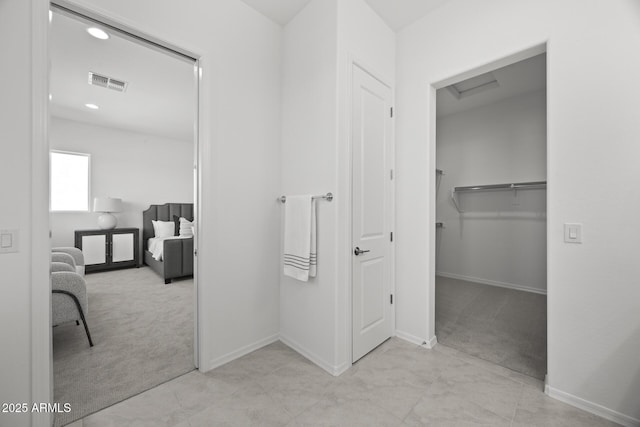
8 241
573 233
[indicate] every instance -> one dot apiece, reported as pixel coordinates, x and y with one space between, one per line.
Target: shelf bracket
515 201
455 201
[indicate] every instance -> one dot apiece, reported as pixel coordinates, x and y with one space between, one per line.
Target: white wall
309 128
593 292
319 44
140 169
499 239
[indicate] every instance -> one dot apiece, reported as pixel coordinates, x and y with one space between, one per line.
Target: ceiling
160 98
280 11
396 13
516 79
400 13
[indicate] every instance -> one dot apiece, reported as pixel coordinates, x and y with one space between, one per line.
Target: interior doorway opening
111 106
490 209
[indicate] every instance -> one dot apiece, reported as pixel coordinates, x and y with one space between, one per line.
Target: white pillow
163 228
186 228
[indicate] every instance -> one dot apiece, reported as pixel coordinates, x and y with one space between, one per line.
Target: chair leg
79 307
77 323
167 281
84 321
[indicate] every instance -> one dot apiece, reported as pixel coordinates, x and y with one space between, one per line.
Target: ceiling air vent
473 85
107 82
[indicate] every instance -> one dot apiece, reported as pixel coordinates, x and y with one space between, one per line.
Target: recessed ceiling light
91 106
50 16
50 97
98 33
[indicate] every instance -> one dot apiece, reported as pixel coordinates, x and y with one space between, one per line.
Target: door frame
41 366
352 63
41 335
491 65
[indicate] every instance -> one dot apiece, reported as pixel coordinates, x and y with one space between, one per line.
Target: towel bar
328 197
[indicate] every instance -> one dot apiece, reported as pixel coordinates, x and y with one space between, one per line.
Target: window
69 181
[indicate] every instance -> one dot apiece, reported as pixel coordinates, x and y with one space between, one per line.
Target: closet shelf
515 186
532 185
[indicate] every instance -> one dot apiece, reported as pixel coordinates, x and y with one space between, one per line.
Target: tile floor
503 326
397 384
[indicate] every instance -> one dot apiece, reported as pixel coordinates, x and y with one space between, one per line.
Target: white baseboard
591 407
222 360
431 342
411 338
492 282
341 369
334 370
546 384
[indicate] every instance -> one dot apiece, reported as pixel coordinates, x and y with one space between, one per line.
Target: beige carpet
142 331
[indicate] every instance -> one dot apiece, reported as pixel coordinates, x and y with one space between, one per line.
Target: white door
371 213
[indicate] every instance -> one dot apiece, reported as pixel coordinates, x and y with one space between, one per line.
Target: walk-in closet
491 210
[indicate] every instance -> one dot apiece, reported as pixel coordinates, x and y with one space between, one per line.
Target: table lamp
106 205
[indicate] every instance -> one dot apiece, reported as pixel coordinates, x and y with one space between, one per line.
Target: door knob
357 251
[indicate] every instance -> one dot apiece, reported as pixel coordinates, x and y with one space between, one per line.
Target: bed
176 253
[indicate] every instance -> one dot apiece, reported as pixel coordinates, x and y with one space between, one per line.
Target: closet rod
328 197
514 186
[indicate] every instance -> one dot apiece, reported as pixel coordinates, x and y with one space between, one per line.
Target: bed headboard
163 213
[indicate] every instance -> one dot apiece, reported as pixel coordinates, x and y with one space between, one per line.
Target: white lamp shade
107 204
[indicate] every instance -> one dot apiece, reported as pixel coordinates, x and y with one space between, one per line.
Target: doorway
490 231
372 210
128 105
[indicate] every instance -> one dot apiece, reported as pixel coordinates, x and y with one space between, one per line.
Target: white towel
299 257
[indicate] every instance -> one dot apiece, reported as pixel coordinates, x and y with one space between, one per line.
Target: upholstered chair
61 266
69 302
77 255
63 257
